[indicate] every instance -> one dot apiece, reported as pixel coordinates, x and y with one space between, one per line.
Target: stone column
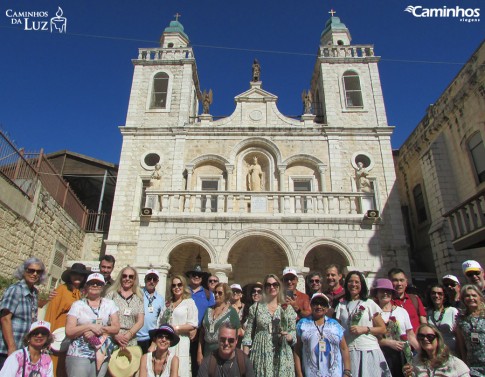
283 185
220 270
230 172
321 169
190 171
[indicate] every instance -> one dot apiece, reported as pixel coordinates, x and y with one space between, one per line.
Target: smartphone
289 294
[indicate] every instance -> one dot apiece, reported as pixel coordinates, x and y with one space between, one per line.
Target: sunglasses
95 284
274 285
178 285
151 278
429 337
197 276
126 276
434 293
213 281
320 303
223 340
32 271
472 273
218 293
257 292
39 332
314 281
236 292
289 278
450 284
163 336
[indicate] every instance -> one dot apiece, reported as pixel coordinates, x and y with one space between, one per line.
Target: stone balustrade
354 51
165 53
265 203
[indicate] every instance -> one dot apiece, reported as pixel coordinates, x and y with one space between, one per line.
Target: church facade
255 192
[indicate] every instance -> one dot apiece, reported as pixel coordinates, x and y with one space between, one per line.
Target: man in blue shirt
154 306
203 299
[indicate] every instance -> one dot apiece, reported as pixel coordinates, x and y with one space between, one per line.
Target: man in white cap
298 300
474 273
452 289
154 306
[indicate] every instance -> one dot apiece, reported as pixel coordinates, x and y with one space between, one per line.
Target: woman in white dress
161 362
182 315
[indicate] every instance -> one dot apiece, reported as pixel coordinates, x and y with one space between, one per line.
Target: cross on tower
332 12
177 15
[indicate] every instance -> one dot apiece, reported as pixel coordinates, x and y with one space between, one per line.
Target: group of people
96 325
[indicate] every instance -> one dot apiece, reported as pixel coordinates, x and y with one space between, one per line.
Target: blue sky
70 91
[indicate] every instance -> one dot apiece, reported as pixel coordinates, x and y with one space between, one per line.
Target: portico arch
181 253
321 252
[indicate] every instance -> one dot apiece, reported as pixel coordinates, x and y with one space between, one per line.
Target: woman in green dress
274 333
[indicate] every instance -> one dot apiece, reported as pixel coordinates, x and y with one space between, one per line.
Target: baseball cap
95 276
451 277
471 265
40 325
236 286
289 271
152 272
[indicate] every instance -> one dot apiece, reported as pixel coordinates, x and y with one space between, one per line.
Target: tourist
274 335
321 349
214 317
470 330
409 301
90 324
435 358
361 318
127 296
56 314
227 360
161 362
442 315
212 281
474 274
19 305
398 328
182 315
452 290
153 305
255 295
106 266
313 283
298 300
334 289
236 300
32 360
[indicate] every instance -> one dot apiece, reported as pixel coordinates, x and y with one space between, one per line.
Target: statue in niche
255 176
206 101
156 177
256 71
306 97
363 183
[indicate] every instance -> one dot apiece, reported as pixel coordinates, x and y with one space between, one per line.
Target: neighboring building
441 176
257 191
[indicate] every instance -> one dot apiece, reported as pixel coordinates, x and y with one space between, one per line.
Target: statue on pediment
363 183
206 101
255 176
256 71
306 97
156 177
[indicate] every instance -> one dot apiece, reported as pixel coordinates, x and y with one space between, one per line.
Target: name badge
475 338
127 311
99 321
211 328
322 346
150 309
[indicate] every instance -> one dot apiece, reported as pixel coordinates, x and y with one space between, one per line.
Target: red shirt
303 303
407 304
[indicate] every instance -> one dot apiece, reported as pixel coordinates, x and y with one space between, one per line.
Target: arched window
159 91
477 153
353 93
419 204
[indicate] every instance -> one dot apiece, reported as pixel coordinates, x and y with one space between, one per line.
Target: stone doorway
185 256
321 256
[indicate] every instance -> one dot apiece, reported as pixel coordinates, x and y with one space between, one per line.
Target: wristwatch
347 372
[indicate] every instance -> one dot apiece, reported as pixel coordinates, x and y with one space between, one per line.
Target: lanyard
127 299
437 322
353 311
94 310
150 299
318 328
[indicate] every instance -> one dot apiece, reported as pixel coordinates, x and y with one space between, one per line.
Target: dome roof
334 24
175 27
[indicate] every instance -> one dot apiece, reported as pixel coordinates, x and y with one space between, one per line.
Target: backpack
240 358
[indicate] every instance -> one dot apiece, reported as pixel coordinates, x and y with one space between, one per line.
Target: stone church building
254 192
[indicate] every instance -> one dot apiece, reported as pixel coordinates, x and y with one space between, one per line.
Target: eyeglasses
32 271
163 336
177 285
151 278
218 293
213 281
434 293
223 340
272 285
472 273
125 276
236 292
256 292
314 281
450 284
39 332
429 337
95 284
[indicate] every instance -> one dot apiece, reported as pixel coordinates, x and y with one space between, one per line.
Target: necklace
164 363
437 322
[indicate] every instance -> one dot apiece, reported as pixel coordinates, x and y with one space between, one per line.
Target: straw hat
125 362
61 341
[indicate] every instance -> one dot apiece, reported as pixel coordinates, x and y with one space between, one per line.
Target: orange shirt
59 306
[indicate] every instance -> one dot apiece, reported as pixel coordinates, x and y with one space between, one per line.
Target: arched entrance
253 257
323 255
185 256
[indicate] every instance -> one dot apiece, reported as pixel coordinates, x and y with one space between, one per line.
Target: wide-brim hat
125 362
165 329
61 341
197 269
382 284
76 268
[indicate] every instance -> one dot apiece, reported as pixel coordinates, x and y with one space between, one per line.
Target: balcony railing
467 223
217 202
355 51
165 53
